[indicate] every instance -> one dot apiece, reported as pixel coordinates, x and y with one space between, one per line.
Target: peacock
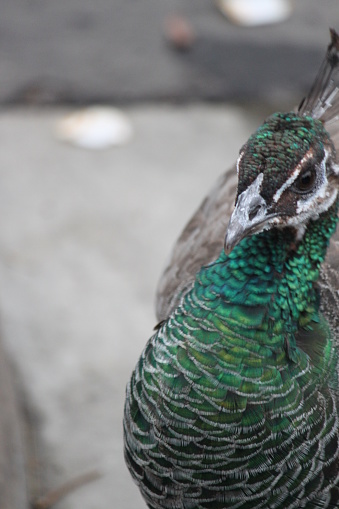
233 403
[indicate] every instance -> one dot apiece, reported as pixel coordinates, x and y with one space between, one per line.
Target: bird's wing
200 242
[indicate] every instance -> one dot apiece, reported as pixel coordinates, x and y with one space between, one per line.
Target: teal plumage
233 402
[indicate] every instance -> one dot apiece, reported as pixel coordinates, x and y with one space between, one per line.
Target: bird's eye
306 180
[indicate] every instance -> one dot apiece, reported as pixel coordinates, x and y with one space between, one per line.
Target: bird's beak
249 216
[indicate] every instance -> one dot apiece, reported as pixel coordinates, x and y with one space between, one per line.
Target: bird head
287 170
287 175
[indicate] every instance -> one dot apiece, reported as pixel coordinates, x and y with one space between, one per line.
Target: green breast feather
223 402
233 402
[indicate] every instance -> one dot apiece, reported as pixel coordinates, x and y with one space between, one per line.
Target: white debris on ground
95 128
255 12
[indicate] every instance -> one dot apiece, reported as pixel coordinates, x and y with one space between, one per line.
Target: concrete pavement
83 238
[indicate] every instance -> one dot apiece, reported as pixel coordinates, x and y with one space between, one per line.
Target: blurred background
116 117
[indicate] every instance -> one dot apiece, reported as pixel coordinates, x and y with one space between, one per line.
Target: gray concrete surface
84 235
83 238
106 50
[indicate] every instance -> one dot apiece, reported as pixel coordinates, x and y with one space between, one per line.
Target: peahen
233 402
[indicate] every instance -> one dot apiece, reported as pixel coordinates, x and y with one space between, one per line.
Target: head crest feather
322 102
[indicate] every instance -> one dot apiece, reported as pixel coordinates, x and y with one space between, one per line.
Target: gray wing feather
200 242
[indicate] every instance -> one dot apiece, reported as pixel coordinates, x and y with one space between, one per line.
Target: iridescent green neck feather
245 313
271 271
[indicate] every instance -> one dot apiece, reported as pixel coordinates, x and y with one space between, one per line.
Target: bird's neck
265 288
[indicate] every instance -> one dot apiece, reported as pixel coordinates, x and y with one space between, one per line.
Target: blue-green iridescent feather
233 402
224 409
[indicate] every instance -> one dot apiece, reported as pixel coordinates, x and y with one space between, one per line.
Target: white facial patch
312 205
322 193
246 197
303 214
241 221
293 177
